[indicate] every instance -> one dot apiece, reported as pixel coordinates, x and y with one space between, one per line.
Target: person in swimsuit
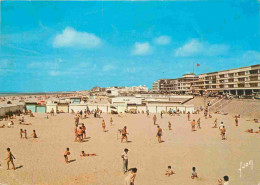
236 120
3 126
215 123
169 125
34 135
84 130
169 171
10 158
159 134
154 119
104 125
193 125
198 123
124 134
25 134
21 133
111 121
67 152
194 173
76 134
80 134
188 116
83 154
130 178
223 133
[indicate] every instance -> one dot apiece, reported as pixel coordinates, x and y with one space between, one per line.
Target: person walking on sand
25 134
236 120
161 114
130 178
111 121
67 152
80 134
124 134
84 130
223 133
76 134
21 133
104 126
159 134
10 158
169 125
125 160
198 123
193 125
215 123
188 116
154 119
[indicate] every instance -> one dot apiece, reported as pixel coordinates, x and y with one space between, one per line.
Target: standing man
159 134
236 120
161 114
154 119
188 116
223 133
125 160
193 125
124 134
9 159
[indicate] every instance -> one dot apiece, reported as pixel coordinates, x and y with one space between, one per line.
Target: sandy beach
41 160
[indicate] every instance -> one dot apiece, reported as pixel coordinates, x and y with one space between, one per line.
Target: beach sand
41 160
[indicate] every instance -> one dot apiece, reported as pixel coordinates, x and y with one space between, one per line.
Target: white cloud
197 48
142 48
72 38
108 67
163 40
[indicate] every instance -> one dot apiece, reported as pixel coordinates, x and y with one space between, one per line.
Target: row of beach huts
118 104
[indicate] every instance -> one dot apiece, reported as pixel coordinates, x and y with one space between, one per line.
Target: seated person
3 126
34 135
249 131
194 173
83 154
10 124
256 120
169 171
31 114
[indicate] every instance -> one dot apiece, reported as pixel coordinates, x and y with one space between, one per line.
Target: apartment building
239 81
180 85
184 83
156 86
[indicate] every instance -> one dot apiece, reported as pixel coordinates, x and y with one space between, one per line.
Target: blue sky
59 46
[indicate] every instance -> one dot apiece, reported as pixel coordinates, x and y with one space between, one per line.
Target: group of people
83 154
23 134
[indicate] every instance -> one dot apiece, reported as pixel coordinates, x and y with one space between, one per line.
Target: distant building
239 81
180 85
184 83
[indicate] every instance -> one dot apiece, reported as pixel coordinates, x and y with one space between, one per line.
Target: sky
68 46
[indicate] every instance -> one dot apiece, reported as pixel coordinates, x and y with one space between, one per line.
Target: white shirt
226 183
125 156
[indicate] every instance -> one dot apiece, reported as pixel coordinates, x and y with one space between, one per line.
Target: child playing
194 173
169 171
67 152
